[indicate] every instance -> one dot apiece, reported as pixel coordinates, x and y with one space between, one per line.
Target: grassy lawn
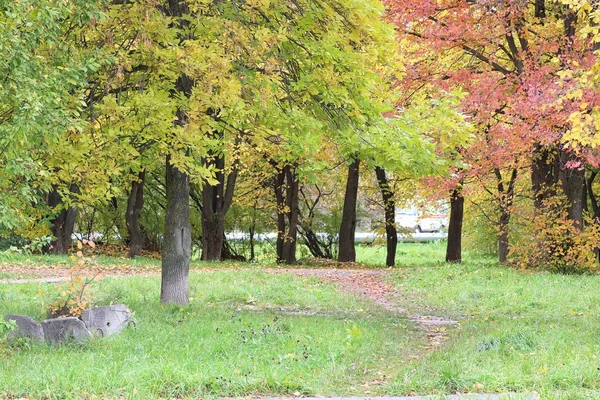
519 331
245 332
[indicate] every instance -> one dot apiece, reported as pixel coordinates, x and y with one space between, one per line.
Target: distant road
360 237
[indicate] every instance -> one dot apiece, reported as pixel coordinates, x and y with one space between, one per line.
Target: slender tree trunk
454 246
503 237
177 241
286 195
592 195
280 200
216 200
506 200
544 175
63 223
135 203
573 183
317 246
595 206
389 205
288 253
251 234
347 252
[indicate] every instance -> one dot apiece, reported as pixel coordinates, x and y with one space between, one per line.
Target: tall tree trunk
280 201
389 205
506 199
592 196
594 203
135 203
573 182
347 252
454 246
286 195
318 246
288 253
544 175
251 235
177 241
216 200
63 223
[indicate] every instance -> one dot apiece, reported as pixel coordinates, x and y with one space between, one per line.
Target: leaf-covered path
373 285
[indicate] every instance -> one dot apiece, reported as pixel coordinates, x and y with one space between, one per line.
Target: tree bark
280 201
389 205
544 175
506 199
177 241
318 247
63 223
216 200
286 194
573 182
347 252
454 246
135 203
592 195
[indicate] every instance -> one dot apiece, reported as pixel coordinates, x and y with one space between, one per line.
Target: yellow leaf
79 245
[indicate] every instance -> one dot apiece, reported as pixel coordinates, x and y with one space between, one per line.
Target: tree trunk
63 223
280 200
347 252
544 175
503 237
251 234
506 199
216 200
177 241
389 205
288 253
318 247
286 194
594 202
592 196
213 230
454 246
135 203
573 182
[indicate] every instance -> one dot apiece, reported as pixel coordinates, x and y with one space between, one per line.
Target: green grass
245 332
418 255
408 254
519 331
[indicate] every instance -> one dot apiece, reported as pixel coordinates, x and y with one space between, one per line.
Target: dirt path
372 285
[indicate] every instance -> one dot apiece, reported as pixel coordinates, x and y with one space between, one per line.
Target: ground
254 330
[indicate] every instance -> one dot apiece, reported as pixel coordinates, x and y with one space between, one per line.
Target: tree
514 59
389 206
348 226
42 76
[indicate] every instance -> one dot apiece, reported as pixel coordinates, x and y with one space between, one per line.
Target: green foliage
42 74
